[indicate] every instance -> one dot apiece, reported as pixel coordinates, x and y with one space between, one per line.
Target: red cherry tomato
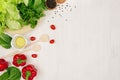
32 38
53 27
34 55
52 41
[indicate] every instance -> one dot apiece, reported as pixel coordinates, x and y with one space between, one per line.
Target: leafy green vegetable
31 13
12 73
26 2
9 15
4 76
13 24
5 40
16 13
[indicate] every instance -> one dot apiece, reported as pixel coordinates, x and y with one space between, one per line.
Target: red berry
53 27
52 41
3 64
32 38
34 55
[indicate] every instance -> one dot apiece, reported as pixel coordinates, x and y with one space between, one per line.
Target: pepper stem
19 61
28 74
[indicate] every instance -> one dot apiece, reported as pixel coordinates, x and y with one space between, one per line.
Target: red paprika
19 60
29 72
3 64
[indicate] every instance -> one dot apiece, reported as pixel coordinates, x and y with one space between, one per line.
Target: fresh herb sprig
32 12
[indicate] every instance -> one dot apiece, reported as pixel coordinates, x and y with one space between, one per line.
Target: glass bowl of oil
19 41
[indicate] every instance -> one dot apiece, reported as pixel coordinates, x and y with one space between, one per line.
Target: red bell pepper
3 64
19 60
29 72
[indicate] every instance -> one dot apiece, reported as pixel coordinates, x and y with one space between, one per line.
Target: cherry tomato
52 41
32 38
34 55
52 27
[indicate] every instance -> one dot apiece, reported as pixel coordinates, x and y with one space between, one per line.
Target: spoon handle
31 44
14 52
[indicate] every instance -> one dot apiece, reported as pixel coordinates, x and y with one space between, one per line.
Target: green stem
28 74
19 61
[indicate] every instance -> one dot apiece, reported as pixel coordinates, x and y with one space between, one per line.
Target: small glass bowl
13 43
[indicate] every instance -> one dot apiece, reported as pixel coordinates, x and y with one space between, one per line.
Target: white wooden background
87 46
90 47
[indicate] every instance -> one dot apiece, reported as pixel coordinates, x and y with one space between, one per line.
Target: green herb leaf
4 76
5 40
31 13
12 73
31 3
5 37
